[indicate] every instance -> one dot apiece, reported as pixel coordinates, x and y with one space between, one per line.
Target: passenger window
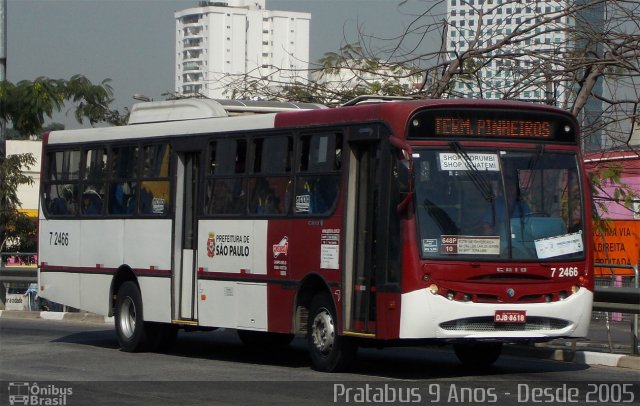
316 194
227 156
93 188
92 199
124 162
64 165
226 185
95 164
226 196
156 159
123 186
155 187
61 199
273 154
122 198
154 197
268 195
62 189
320 152
318 182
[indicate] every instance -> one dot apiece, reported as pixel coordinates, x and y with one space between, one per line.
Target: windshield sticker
450 161
470 245
561 245
429 245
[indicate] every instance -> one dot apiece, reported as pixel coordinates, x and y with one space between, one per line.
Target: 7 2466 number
56 238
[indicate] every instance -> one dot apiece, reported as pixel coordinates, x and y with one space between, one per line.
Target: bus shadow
394 363
442 363
226 346
97 338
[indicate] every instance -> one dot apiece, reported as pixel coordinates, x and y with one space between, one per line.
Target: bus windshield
484 204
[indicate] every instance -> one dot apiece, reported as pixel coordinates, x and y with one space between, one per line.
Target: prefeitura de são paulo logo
32 393
211 245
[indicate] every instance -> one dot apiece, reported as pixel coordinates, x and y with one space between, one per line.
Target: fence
618 296
614 295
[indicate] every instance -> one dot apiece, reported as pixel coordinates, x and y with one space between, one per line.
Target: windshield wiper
533 162
480 181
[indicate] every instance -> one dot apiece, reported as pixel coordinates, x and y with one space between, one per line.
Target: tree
559 52
337 78
26 104
16 228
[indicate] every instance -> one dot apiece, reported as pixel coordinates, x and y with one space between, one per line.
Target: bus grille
487 324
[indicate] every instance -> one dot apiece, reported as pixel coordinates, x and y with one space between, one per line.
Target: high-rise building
222 43
527 68
515 71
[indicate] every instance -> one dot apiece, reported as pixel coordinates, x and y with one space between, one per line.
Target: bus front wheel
329 351
130 328
478 354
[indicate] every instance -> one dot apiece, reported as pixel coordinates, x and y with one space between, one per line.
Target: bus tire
130 326
329 351
478 354
263 339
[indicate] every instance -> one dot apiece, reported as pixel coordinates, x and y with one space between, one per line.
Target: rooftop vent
175 110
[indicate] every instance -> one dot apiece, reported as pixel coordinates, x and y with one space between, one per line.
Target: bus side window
154 188
316 194
318 183
123 185
226 185
93 178
61 191
61 200
154 197
270 190
122 198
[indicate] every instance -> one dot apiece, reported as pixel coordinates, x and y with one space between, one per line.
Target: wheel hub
323 332
128 317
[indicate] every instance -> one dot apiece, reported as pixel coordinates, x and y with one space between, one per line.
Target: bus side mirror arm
402 206
405 172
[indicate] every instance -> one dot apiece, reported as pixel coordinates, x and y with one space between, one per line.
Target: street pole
3 70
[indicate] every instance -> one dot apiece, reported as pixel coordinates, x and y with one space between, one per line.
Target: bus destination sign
477 123
492 128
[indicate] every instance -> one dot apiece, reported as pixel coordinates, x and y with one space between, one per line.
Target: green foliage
611 176
14 226
26 104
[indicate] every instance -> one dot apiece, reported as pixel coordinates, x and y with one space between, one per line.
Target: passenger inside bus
511 199
64 203
264 199
316 195
91 202
122 199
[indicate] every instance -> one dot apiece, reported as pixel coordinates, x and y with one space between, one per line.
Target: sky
131 42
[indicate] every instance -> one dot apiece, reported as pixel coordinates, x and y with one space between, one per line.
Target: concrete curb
66 316
577 356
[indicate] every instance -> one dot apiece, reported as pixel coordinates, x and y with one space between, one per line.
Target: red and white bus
373 224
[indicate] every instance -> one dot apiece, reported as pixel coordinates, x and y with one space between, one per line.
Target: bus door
185 236
361 216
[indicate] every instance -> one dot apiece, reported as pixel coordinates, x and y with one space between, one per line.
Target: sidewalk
593 350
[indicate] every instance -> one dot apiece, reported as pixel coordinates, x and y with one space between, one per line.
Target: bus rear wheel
478 354
130 328
329 351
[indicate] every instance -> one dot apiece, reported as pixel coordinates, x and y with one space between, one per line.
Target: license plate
510 316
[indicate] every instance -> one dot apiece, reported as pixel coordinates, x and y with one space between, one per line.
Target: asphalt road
80 363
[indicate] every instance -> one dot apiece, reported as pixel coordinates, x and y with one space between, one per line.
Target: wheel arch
310 286
122 275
